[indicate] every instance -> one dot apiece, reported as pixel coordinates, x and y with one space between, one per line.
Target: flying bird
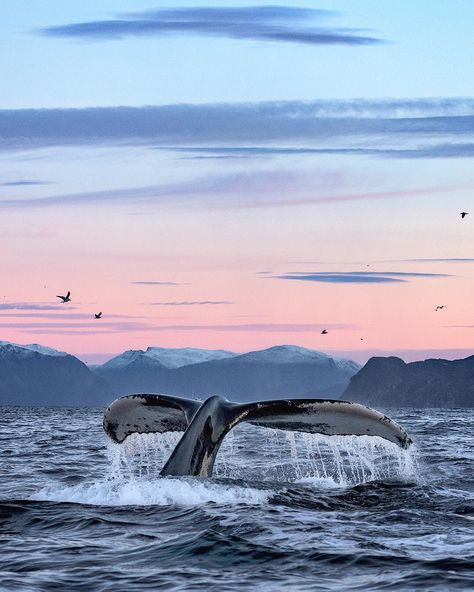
464 214
324 332
440 307
65 298
98 315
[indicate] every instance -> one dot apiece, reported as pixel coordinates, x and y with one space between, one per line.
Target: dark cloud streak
242 129
192 303
357 277
157 283
24 183
31 306
452 150
258 23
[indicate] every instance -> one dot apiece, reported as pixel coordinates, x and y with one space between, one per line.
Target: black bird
65 298
440 307
464 214
324 332
98 315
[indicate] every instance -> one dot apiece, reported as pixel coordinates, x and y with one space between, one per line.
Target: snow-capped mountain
167 357
38 375
31 348
294 354
279 371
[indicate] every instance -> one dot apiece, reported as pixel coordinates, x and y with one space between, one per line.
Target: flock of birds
98 315
67 298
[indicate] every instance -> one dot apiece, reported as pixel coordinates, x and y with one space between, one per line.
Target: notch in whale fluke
205 424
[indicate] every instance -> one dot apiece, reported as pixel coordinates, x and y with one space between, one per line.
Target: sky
235 175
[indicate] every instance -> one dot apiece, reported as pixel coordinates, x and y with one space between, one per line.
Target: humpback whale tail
205 424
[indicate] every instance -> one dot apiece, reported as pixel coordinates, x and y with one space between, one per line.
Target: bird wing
68 294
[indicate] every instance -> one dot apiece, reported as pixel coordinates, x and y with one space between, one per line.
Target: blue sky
169 155
428 53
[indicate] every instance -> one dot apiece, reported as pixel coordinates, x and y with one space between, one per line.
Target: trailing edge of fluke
205 424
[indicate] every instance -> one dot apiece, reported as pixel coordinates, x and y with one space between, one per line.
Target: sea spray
261 454
256 458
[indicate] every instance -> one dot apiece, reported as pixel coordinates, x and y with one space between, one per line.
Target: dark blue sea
284 511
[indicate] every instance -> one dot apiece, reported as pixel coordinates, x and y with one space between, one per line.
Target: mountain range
280 371
37 375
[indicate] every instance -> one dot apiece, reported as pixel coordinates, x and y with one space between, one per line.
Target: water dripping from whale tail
206 424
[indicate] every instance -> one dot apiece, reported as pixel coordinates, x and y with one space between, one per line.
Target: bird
65 298
98 315
324 332
464 214
440 307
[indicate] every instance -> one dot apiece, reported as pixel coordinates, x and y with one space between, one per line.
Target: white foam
145 492
325 462
133 480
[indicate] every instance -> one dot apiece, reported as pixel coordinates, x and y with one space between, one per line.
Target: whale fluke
148 414
205 424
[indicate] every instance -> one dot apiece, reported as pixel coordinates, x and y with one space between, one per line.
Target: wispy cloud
357 277
256 23
78 328
158 283
23 182
94 328
429 128
59 315
254 189
450 150
30 306
192 303
438 260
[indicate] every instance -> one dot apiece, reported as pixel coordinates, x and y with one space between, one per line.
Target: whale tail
205 424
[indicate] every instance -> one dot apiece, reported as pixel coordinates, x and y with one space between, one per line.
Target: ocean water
284 511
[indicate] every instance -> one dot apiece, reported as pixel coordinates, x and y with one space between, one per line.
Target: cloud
192 303
357 277
158 283
90 328
439 260
452 150
365 127
24 182
60 315
255 189
257 23
30 306
79 328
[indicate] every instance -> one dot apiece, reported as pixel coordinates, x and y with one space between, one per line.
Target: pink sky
216 255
